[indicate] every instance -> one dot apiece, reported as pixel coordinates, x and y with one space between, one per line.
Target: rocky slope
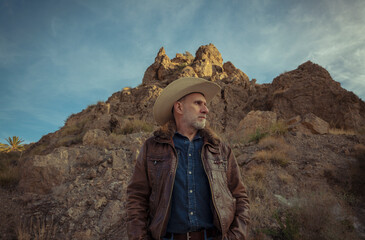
77 176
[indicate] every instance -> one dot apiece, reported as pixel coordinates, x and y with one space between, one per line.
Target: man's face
195 110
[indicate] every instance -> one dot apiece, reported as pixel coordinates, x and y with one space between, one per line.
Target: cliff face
79 173
310 89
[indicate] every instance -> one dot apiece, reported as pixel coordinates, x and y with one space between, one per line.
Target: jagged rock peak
208 64
210 53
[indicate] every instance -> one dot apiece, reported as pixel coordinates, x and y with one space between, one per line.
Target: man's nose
205 109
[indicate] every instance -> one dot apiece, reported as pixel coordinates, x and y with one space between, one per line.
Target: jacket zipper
173 182
211 189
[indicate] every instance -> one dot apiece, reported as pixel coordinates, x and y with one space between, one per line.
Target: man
186 183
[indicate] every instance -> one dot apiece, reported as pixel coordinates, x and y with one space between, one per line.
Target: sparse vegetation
278 128
288 226
274 156
276 151
341 131
314 215
9 175
258 135
133 126
37 228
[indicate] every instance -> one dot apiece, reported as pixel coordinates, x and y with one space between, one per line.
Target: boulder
94 137
257 120
315 124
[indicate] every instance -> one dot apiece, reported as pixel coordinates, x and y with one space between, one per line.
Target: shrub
73 129
259 134
133 126
278 128
288 226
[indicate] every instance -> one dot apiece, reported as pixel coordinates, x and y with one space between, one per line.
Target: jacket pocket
216 160
156 166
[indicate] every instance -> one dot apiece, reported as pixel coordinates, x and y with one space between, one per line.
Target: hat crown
162 109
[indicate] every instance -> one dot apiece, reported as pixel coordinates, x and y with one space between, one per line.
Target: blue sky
58 57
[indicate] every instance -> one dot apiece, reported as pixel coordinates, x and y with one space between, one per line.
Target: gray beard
199 125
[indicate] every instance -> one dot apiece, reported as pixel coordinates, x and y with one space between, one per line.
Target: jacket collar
167 131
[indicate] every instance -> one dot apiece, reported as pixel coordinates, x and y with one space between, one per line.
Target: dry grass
259 172
278 128
9 170
275 150
285 177
274 156
9 177
315 215
134 126
341 131
271 142
261 199
321 215
37 229
69 140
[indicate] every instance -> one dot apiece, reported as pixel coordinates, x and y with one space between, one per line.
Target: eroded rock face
41 173
83 187
310 89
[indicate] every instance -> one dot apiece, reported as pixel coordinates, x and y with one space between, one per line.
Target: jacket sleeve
238 228
138 192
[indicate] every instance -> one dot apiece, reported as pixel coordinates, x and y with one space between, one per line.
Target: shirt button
189 155
191 213
191 191
189 172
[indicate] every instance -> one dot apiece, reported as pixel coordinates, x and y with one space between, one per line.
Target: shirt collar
196 137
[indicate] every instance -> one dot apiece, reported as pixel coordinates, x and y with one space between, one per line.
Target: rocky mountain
75 178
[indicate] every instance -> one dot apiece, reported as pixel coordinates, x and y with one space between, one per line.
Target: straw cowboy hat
162 110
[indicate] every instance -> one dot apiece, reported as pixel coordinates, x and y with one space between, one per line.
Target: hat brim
162 110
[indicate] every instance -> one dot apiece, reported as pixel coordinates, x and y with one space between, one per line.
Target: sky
58 57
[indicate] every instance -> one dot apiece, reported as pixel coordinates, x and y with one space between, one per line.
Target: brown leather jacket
149 191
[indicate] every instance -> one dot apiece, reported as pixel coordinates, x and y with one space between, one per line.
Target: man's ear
178 107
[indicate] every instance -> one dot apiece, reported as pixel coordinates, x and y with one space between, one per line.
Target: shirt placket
191 188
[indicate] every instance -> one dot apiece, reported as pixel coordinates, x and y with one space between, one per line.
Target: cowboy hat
162 110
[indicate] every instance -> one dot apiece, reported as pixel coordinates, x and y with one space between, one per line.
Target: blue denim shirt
191 197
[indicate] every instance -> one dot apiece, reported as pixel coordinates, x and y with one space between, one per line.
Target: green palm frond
14 144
